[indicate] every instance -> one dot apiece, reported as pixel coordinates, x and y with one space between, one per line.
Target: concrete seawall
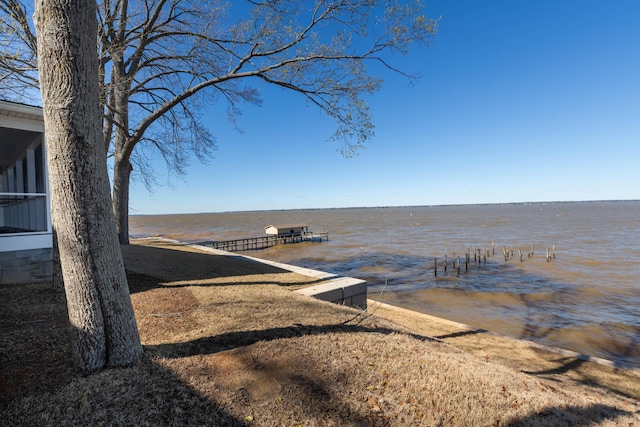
342 290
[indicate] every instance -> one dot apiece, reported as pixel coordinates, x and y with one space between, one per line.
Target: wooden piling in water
480 255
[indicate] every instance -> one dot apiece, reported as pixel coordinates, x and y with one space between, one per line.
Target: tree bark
122 164
121 179
98 301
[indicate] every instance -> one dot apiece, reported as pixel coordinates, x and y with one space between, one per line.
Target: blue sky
519 101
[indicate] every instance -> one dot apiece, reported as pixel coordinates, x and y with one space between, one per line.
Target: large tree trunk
122 164
121 178
95 283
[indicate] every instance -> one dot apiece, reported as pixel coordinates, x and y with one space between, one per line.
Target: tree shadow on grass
150 268
146 393
143 394
578 368
566 364
575 416
34 347
172 265
39 384
462 334
312 394
142 283
150 392
316 389
233 340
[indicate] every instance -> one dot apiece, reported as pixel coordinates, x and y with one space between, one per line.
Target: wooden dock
262 242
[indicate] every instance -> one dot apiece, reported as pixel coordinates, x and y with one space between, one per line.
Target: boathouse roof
286 226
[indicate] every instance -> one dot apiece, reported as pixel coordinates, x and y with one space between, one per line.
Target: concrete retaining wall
341 290
347 291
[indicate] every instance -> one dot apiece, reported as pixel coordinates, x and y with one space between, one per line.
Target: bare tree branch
162 61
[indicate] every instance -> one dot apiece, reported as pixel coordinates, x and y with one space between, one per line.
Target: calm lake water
587 299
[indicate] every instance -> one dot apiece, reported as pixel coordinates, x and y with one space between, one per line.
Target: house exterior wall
26 266
25 221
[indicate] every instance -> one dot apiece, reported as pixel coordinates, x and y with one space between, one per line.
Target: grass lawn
227 342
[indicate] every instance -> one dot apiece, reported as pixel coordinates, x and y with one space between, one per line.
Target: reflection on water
587 299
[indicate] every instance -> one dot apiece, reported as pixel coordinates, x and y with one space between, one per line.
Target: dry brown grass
520 355
238 349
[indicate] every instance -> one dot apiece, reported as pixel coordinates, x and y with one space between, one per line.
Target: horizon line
395 206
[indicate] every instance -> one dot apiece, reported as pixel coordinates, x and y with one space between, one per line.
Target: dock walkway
262 242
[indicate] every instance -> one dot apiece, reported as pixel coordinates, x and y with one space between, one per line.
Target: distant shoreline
399 207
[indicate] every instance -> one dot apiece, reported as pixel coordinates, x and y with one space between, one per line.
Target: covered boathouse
287 230
275 235
25 220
